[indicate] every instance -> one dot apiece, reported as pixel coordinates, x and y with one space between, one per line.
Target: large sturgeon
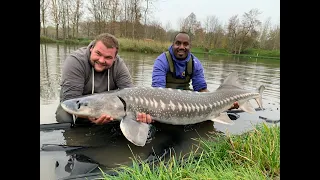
171 106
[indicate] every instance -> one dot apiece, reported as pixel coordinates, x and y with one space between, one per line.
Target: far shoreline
159 47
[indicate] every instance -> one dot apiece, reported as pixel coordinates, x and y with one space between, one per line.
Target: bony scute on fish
165 105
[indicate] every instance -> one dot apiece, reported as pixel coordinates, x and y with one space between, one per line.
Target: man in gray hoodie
93 69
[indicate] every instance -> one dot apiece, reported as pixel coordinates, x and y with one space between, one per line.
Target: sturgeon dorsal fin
231 81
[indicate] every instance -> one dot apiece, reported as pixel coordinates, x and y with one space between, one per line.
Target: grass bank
253 155
251 53
159 47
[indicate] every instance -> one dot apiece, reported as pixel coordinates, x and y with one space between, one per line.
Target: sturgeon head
110 104
95 106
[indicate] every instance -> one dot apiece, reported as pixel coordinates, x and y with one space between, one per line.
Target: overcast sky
172 10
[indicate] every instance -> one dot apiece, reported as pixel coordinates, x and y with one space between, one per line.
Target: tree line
84 19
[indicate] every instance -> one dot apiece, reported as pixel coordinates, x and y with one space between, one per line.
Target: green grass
253 155
143 46
261 52
251 53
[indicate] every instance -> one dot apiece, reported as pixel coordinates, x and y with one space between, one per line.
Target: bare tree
114 6
218 37
124 18
135 9
126 14
55 10
168 29
190 24
145 18
181 23
156 31
99 12
248 32
273 42
43 15
168 26
233 33
146 11
75 14
264 33
86 28
64 20
214 31
93 11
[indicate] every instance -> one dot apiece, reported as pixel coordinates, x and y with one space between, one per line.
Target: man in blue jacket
176 68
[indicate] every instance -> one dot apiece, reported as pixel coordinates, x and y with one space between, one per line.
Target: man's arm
123 78
73 78
158 80
72 84
159 74
198 81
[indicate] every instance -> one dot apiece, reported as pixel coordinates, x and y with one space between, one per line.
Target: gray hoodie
79 78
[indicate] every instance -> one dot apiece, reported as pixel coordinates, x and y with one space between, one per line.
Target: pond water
105 147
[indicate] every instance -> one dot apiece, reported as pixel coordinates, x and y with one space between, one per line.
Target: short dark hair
181 32
108 40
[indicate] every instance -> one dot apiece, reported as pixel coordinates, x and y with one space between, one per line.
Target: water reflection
107 147
51 58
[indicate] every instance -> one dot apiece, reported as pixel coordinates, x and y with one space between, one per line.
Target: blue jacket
161 67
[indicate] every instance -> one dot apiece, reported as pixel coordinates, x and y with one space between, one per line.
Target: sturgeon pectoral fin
247 107
135 131
224 119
